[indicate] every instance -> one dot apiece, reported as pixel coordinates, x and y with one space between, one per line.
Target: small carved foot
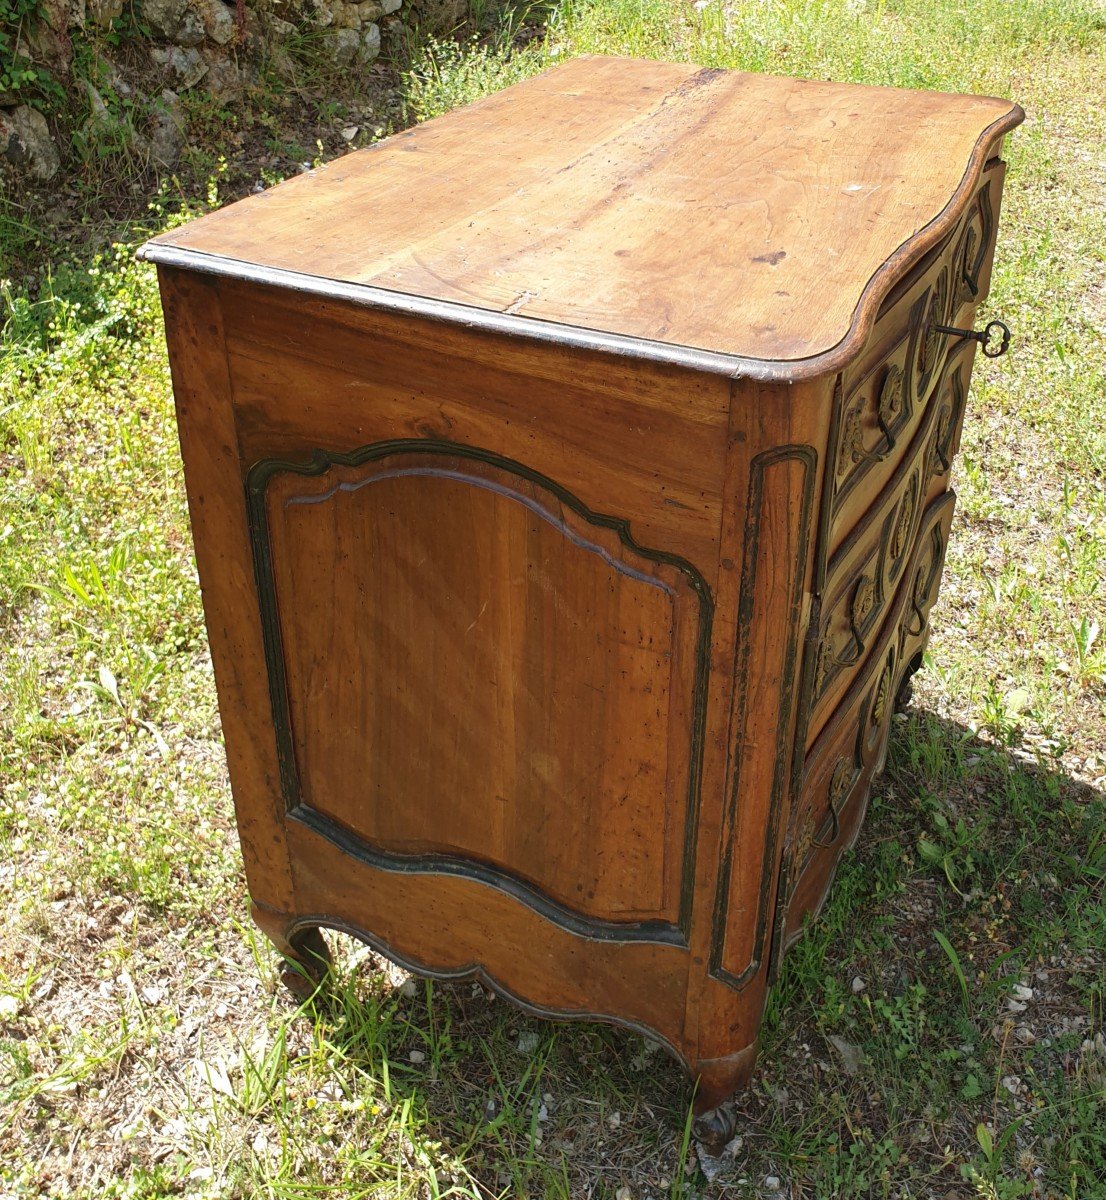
720 1080
715 1129
906 685
306 954
308 964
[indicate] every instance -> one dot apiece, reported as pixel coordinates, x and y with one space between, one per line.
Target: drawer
864 574
836 777
948 404
923 583
882 399
975 247
850 750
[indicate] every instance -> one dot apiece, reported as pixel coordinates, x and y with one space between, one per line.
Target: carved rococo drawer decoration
561 575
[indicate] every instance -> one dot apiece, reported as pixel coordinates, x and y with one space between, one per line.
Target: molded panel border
257 481
760 575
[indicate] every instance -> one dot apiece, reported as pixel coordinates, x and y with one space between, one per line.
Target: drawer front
975 247
839 767
947 407
866 571
883 398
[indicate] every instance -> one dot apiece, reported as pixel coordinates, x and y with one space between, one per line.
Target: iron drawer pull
874 456
917 600
855 449
885 429
836 832
856 654
864 597
888 403
918 621
984 336
843 775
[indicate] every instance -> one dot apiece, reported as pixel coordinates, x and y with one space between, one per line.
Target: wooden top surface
743 215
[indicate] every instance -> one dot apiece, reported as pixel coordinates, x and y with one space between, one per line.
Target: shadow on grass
936 1025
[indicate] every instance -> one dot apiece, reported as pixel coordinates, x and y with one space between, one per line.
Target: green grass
145 1049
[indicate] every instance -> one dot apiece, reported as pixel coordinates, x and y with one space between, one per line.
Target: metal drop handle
986 336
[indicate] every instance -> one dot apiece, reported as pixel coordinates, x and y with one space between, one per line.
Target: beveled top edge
488 320
162 251
914 249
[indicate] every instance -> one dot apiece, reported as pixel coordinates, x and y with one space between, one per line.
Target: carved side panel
475 675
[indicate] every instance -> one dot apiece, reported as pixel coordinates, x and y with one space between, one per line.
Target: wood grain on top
718 210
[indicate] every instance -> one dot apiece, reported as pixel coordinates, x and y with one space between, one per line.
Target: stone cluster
184 44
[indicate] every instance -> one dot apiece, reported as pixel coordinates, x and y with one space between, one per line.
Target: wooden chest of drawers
569 479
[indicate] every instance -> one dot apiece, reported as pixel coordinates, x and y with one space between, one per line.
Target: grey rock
47 46
370 42
101 13
185 64
110 76
177 21
391 6
97 108
220 24
346 16
278 28
370 10
25 142
323 15
343 45
223 79
167 129
57 14
711 1166
850 1055
110 130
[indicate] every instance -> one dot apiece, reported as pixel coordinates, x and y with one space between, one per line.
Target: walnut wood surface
310 372
663 202
477 672
563 668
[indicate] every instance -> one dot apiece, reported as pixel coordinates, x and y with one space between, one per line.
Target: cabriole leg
720 1079
306 954
906 684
